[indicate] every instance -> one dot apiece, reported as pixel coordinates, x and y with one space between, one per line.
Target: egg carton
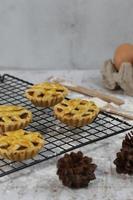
113 79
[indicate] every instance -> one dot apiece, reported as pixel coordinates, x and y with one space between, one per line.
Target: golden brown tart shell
46 94
76 112
20 145
13 118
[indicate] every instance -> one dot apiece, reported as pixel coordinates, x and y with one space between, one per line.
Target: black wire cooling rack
59 137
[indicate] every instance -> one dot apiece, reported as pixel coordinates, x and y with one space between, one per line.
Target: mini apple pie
13 117
20 145
76 112
46 94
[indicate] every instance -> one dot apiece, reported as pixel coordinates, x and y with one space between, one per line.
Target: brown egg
124 53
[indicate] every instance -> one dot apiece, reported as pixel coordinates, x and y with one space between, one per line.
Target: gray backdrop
63 34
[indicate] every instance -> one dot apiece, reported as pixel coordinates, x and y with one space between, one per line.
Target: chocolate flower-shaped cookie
76 170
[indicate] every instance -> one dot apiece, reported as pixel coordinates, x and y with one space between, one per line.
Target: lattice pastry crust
20 145
46 94
13 117
76 112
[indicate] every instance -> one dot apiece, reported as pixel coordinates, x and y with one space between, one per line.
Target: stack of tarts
17 144
74 112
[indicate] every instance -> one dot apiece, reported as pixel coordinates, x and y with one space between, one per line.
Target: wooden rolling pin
95 93
111 109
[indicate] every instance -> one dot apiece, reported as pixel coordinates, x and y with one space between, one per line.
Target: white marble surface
62 33
41 183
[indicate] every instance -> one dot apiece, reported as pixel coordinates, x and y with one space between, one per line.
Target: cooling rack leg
1 78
